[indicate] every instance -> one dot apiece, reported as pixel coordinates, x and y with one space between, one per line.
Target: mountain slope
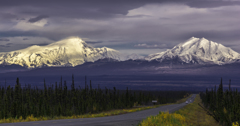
68 52
198 51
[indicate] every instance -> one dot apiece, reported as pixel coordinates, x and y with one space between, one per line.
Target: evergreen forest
224 106
61 100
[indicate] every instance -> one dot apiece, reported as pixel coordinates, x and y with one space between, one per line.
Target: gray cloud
20 19
107 23
14 33
6 46
212 3
152 46
6 17
39 44
38 18
4 39
93 42
216 36
25 39
95 9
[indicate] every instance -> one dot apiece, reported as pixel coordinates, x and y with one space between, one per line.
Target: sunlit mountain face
74 51
198 51
68 52
71 55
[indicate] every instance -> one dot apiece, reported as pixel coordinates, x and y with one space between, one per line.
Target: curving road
129 119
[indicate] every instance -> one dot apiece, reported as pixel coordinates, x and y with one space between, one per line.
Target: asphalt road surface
129 119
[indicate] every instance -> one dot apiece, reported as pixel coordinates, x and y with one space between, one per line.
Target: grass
190 115
196 115
164 119
101 114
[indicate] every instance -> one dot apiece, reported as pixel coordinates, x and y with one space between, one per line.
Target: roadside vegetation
191 115
164 119
224 106
215 107
26 103
88 115
184 99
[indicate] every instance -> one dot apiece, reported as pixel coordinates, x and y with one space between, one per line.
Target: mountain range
74 51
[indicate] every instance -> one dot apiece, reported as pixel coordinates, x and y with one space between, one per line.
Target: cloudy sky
132 26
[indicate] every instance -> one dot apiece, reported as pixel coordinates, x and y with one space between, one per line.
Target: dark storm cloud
211 4
4 39
7 15
15 33
4 46
25 39
20 19
38 18
106 21
94 9
7 45
39 44
74 8
93 42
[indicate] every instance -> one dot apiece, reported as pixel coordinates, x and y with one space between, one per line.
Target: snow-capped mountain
74 51
199 51
68 52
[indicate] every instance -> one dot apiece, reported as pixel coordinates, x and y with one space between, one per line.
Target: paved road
129 119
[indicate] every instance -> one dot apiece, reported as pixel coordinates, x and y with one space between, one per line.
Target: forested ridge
60 100
223 105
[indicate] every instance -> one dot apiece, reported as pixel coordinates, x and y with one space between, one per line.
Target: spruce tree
73 86
114 97
220 95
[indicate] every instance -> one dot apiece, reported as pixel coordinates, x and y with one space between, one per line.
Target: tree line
223 105
60 100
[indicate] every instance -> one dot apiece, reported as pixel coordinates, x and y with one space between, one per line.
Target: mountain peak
204 40
198 42
71 51
189 42
69 41
199 50
73 39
